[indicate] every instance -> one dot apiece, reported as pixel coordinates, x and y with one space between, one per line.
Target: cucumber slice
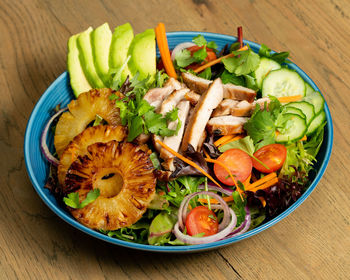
316 99
265 67
306 107
316 122
308 89
283 82
295 131
294 110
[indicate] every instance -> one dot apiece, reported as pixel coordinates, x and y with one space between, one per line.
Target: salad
197 145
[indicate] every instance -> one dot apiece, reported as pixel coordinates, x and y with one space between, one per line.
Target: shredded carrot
265 185
263 201
286 99
261 181
223 139
247 182
216 61
304 138
233 139
164 50
208 159
214 201
190 162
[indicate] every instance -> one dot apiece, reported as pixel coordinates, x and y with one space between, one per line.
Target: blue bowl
60 92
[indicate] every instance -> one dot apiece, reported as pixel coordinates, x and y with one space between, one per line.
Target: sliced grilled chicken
202 140
207 103
172 100
192 97
226 125
232 91
195 83
242 109
174 141
155 96
261 102
224 107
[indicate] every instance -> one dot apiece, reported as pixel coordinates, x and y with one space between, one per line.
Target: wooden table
313 242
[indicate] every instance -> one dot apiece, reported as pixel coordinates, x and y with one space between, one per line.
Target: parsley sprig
185 57
138 114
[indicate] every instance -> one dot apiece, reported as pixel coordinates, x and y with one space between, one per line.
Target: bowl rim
174 249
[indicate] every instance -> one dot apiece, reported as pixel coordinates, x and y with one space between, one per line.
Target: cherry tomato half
201 220
273 156
238 162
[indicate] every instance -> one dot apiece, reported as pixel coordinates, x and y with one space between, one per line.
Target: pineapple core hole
109 183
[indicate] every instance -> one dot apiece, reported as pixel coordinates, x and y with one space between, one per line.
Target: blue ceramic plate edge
189 248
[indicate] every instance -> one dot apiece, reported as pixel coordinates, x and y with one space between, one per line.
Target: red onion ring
43 146
180 47
217 189
187 239
244 226
184 205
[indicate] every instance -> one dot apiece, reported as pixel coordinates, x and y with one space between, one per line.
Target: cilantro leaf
135 127
206 74
72 200
227 77
245 144
155 161
212 45
199 40
250 82
90 197
264 51
261 128
160 78
200 55
172 115
243 63
184 58
278 57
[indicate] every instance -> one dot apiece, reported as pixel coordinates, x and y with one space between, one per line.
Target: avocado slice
143 54
78 81
121 40
86 59
101 39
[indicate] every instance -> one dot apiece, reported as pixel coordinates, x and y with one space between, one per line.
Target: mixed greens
259 143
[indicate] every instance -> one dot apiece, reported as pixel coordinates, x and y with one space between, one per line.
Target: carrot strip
265 185
233 139
170 150
207 159
215 61
286 99
214 201
223 139
261 181
164 50
304 138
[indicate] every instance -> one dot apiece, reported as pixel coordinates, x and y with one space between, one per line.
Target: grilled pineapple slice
118 205
82 112
80 143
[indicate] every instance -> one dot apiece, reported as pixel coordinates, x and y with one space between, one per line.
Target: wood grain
312 243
